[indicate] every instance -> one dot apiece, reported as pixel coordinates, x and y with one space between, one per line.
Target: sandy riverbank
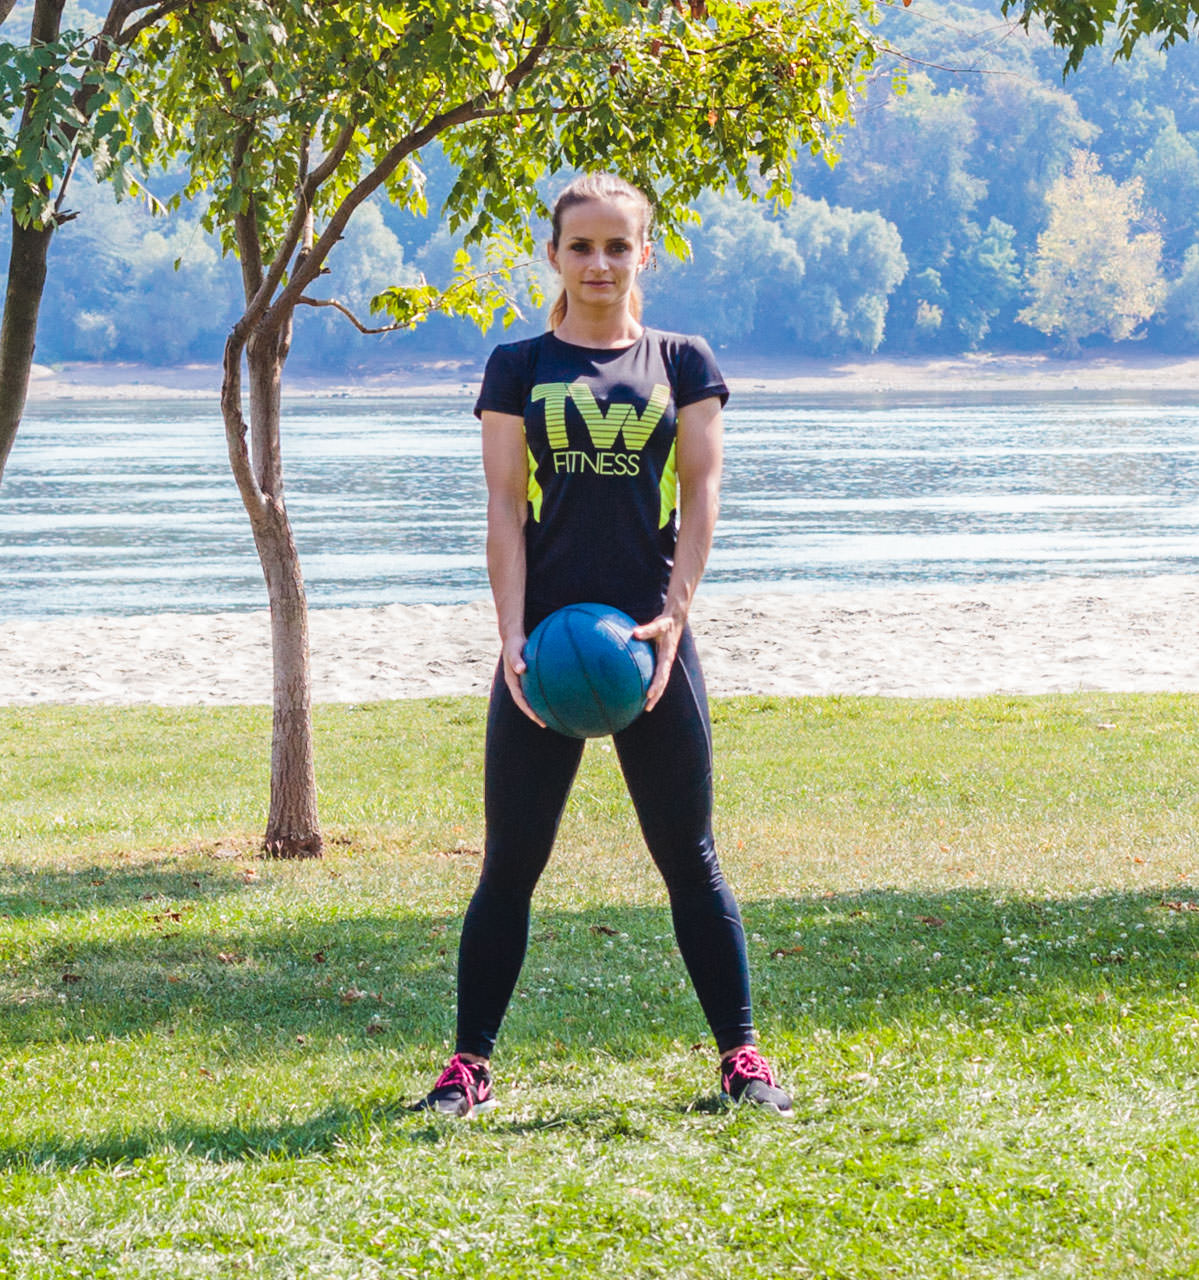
1048 637
1028 638
976 373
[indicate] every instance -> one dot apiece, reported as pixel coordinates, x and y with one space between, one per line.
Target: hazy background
922 240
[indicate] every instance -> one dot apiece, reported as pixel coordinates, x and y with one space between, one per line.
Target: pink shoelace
457 1072
749 1064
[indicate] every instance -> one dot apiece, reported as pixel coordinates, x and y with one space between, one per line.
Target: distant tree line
993 204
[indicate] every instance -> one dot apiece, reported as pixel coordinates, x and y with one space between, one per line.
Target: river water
130 507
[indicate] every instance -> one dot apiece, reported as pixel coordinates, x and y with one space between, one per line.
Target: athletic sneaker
746 1077
462 1089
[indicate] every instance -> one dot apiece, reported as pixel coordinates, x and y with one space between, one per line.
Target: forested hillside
991 204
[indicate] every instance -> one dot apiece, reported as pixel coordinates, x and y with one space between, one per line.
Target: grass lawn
973 928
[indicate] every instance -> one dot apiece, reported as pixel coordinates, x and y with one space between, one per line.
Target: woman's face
599 252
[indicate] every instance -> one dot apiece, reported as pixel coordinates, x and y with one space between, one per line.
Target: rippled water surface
130 507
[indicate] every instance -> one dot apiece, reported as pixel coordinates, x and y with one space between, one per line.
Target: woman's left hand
664 632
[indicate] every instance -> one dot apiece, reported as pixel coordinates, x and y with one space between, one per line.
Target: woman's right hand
514 667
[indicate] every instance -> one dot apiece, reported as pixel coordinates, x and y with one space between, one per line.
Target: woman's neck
603 331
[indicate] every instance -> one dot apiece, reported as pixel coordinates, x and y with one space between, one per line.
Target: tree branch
900 56
245 229
59 217
306 301
463 113
529 61
126 35
113 36
305 164
439 305
261 299
235 424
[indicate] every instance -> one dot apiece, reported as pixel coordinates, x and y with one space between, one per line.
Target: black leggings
666 758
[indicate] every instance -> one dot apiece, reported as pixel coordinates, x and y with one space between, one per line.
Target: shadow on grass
323 1133
318 1134
26 894
604 979
851 960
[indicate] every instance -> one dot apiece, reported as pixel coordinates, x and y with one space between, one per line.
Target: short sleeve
503 389
699 376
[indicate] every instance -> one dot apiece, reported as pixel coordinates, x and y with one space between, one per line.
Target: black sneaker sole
454 1111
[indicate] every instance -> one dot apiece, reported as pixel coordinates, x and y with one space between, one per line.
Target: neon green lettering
554 394
601 427
572 461
639 428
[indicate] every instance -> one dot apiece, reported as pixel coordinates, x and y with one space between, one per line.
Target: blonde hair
599 186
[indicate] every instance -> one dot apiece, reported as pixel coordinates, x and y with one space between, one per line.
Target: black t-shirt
603 488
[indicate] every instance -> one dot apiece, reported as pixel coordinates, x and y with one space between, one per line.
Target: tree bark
293 825
263 337
31 245
26 274
18 330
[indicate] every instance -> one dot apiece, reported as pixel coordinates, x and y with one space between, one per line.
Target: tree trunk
18 331
26 273
293 827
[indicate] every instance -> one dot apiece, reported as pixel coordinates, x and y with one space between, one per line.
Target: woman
602 454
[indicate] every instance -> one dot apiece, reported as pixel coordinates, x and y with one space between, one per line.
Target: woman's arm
506 469
698 455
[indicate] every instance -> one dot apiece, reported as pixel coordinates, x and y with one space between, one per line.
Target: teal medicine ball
586 675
